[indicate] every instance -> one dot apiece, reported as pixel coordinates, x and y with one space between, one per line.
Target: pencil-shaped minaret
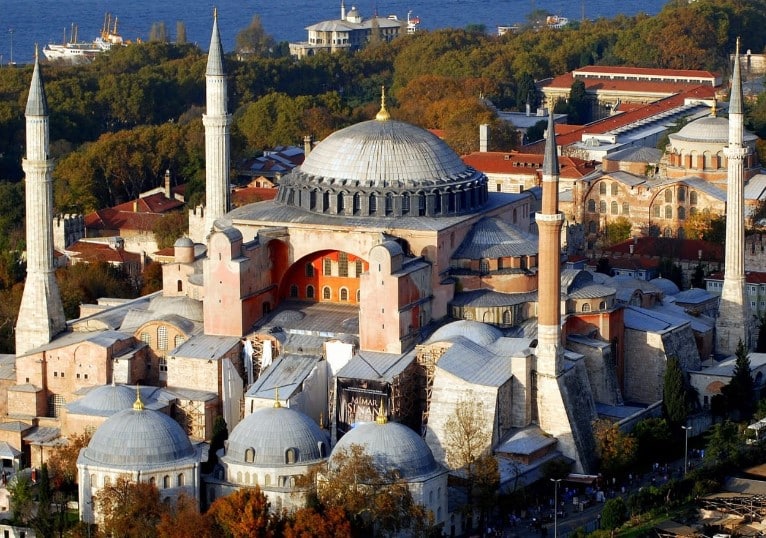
733 312
217 123
549 222
41 315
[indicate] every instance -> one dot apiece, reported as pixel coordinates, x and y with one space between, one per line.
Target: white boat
74 51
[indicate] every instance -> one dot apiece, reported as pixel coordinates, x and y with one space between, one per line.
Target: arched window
586 307
602 188
668 212
484 266
681 194
602 305
293 291
421 204
341 203
625 208
309 292
592 206
322 449
507 317
615 189
615 208
668 195
405 203
359 268
166 481
692 211
373 204
180 285
343 294
249 455
162 337
656 211
326 293
342 264
681 213
602 206
327 267
325 201
180 480
267 480
357 203
389 203
153 482
592 227
146 339
358 296
309 269
693 198
290 455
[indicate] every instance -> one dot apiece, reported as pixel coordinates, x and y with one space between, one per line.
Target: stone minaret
217 123
41 315
733 311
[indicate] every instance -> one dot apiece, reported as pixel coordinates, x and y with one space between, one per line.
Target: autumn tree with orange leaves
245 513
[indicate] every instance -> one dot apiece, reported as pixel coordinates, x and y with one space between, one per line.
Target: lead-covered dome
266 435
384 168
138 439
708 129
393 447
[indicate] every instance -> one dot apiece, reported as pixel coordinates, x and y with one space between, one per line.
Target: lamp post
555 506
686 447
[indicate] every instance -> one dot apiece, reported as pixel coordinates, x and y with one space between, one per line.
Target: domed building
144 445
272 448
396 448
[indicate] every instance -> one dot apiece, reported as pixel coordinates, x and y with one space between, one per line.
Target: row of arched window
586 307
167 481
615 207
343 266
657 212
291 454
342 295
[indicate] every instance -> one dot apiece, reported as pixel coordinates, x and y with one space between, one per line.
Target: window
484 266
591 206
602 305
290 455
656 211
327 267
293 291
681 194
309 270
602 206
326 293
681 213
343 294
356 203
615 208
358 268
166 481
342 264
586 307
602 188
668 195
693 198
692 211
373 204
615 189
405 203
309 292
163 362
592 227
179 286
146 339
389 203
162 337
668 212
341 203
249 455
358 296
178 340
153 481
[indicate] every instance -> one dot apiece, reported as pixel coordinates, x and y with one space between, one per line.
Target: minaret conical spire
551 157
735 100
37 104
215 54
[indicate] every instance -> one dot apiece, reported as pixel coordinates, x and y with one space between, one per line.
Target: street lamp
555 506
686 447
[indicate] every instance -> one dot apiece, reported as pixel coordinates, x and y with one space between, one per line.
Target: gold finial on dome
383 114
381 418
713 109
138 405
277 403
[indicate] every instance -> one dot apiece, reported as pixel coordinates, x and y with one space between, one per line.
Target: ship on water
77 52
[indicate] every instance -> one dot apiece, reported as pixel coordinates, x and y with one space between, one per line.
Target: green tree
170 227
672 271
761 345
579 104
724 444
675 401
159 32
739 391
616 450
180 32
617 230
614 514
43 522
22 499
654 437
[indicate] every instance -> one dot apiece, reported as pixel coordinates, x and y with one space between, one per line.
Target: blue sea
26 22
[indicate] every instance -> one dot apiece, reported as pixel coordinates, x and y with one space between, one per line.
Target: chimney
631 248
342 10
135 206
306 146
483 137
168 194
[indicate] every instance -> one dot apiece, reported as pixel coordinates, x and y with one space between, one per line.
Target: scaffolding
426 357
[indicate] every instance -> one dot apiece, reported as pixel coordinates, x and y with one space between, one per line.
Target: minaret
342 10
41 315
733 311
217 123
549 223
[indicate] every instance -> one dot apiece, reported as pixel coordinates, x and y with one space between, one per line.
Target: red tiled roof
525 163
101 252
248 195
568 136
114 219
154 203
645 71
751 277
667 247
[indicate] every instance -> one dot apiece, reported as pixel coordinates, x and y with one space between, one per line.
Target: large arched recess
312 271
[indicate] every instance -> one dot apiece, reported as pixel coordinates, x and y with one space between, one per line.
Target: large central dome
384 168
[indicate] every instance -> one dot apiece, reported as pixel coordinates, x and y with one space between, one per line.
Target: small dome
475 331
183 306
667 286
139 439
182 242
287 316
108 399
393 447
707 129
270 432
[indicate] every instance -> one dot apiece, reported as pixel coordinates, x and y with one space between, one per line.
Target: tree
614 514
129 509
578 104
62 463
243 514
159 32
761 345
616 450
22 501
603 266
254 40
467 444
180 32
675 401
308 523
373 500
654 437
183 520
672 271
724 444
43 522
617 230
739 391
169 227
